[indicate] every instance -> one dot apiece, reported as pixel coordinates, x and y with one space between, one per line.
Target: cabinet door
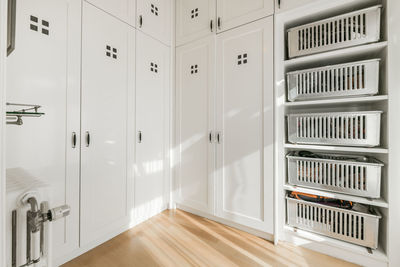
124 10
154 19
194 19
107 51
195 94
152 86
283 5
44 69
245 125
233 13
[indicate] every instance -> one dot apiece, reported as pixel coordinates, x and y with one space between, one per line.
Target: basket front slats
349 177
334 33
342 224
336 129
334 81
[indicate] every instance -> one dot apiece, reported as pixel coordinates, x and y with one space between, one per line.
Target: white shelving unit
313 12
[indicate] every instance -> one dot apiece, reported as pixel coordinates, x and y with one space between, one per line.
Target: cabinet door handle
210 137
87 139
140 137
219 138
73 139
219 23
211 25
140 21
279 3
11 25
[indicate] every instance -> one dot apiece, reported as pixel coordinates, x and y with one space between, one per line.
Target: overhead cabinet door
44 69
154 19
194 19
107 50
233 13
245 125
124 10
282 5
195 72
152 87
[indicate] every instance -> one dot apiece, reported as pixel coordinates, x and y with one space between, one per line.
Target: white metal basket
343 80
356 227
341 128
351 29
355 175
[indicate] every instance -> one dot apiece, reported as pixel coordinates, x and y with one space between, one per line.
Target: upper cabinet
198 19
283 5
194 19
122 9
233 13
153 17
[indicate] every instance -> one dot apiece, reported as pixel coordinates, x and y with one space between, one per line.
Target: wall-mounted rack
19 111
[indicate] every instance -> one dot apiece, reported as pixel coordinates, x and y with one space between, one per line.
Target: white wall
3 36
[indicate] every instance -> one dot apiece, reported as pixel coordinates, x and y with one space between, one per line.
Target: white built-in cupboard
79 61
197 19
225 125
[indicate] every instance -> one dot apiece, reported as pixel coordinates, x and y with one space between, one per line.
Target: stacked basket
345 174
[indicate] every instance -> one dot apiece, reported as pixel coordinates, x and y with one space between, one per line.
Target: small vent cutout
153 67
194 69
242 59
194 13
342 31
35 25
352 226
111 52
358 78
354 129
154 9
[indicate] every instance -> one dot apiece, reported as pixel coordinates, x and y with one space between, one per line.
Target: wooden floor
177 238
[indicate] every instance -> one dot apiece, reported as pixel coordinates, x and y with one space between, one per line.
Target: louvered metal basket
351 29
343 80
356 227
354 175
341 128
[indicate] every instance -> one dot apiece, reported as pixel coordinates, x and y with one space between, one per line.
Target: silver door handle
219 138
87 139
11 25
73 139
140 21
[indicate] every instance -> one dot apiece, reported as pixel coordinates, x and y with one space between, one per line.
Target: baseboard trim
264 235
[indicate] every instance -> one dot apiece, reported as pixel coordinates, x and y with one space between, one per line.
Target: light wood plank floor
177 238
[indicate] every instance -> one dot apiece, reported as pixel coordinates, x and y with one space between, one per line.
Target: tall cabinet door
107 54
152 86
233 13
194 19
124 10
44 69
245 125
195 94
154 19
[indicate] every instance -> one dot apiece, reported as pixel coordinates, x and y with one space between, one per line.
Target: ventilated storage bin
355 28
356 175
348 225
342 128
343 80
